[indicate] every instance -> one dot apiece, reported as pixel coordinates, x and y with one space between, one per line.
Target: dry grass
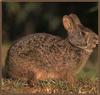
83 86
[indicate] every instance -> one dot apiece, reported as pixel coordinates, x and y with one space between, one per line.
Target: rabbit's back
37 47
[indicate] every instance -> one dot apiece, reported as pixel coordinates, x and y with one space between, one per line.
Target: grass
87 82
83 86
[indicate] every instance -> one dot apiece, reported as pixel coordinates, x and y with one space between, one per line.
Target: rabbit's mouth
91 47
94 42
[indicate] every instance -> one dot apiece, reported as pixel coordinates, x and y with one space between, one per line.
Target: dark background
20 19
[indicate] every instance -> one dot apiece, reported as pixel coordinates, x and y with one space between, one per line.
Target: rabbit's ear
75 18
68 23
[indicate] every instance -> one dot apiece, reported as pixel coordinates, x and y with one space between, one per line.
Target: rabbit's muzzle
95 41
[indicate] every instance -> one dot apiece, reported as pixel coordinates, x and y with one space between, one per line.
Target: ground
83 86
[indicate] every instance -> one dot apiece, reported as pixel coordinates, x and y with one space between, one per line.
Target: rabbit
43 56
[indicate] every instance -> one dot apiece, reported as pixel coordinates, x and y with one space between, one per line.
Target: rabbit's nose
97 42
94 45
97 39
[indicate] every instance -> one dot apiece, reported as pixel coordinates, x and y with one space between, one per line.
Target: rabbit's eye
83 33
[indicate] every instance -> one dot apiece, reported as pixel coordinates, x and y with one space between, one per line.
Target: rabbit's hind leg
35 75
70 78
31 78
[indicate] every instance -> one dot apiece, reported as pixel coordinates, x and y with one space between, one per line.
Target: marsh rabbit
43 56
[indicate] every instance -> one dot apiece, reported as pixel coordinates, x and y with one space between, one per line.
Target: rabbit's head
79 35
